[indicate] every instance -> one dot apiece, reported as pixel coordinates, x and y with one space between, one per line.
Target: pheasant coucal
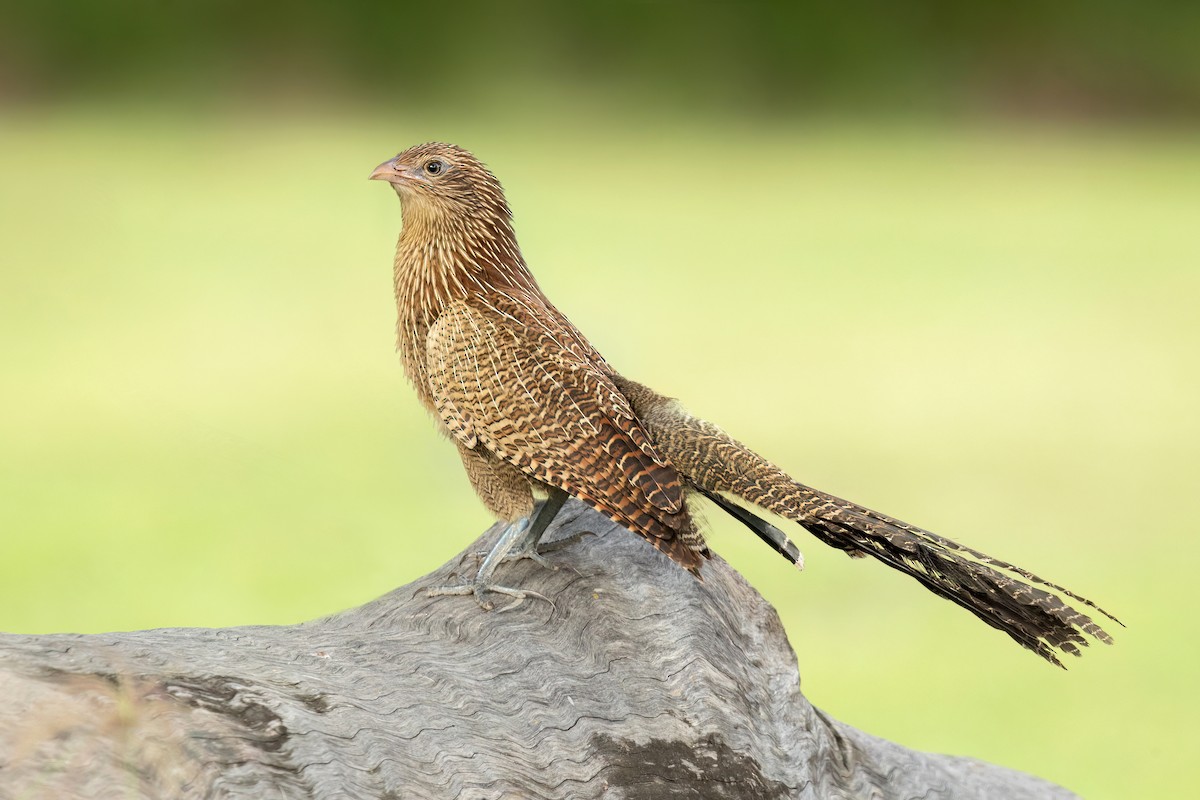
532 407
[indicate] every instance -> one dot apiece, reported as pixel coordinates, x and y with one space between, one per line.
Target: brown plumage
989 588
533 407
529 401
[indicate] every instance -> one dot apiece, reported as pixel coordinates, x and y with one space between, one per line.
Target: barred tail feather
1035 618
1028 608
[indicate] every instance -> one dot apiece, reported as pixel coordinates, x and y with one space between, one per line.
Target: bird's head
438 181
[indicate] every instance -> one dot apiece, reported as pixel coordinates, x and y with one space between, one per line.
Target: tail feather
965 589
777 539
1002 595
1033 617
1016 601
852 519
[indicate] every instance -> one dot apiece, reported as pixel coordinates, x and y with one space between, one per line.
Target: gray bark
638 682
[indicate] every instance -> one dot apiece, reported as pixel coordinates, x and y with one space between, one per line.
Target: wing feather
522 385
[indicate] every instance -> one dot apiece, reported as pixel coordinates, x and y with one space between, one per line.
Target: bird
535 410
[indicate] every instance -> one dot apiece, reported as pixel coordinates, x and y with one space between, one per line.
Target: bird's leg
527 547
555 502
482 584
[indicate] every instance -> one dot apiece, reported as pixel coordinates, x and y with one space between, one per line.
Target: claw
480 590
533 555
558 544
519 540
537 552
519 596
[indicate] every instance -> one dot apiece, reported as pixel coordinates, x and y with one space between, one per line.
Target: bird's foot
481 590
566 541
537 552
519 540
533 555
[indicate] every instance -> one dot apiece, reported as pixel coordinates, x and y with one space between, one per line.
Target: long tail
1028 608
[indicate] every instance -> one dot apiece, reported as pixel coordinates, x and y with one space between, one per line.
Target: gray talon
519 540
480 590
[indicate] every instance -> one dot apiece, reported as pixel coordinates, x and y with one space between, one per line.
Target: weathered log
637 682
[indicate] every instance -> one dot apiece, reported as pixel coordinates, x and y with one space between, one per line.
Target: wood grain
639 682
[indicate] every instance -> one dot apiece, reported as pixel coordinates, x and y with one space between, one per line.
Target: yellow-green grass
991 333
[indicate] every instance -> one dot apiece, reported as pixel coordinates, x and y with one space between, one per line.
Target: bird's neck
441 258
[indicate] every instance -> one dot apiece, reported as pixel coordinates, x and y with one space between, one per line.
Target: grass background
988 331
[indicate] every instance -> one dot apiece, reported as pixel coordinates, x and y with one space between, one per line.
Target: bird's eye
434 167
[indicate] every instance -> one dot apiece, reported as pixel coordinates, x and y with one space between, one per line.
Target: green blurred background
943 260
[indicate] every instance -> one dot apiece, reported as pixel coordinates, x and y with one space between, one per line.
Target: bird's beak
387 171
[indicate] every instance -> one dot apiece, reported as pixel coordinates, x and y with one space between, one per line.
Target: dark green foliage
1101 57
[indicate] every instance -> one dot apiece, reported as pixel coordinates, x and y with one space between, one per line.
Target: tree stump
638 682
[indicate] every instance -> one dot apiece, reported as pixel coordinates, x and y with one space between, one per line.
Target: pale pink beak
386 171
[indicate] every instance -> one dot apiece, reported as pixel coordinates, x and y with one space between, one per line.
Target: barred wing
517 382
